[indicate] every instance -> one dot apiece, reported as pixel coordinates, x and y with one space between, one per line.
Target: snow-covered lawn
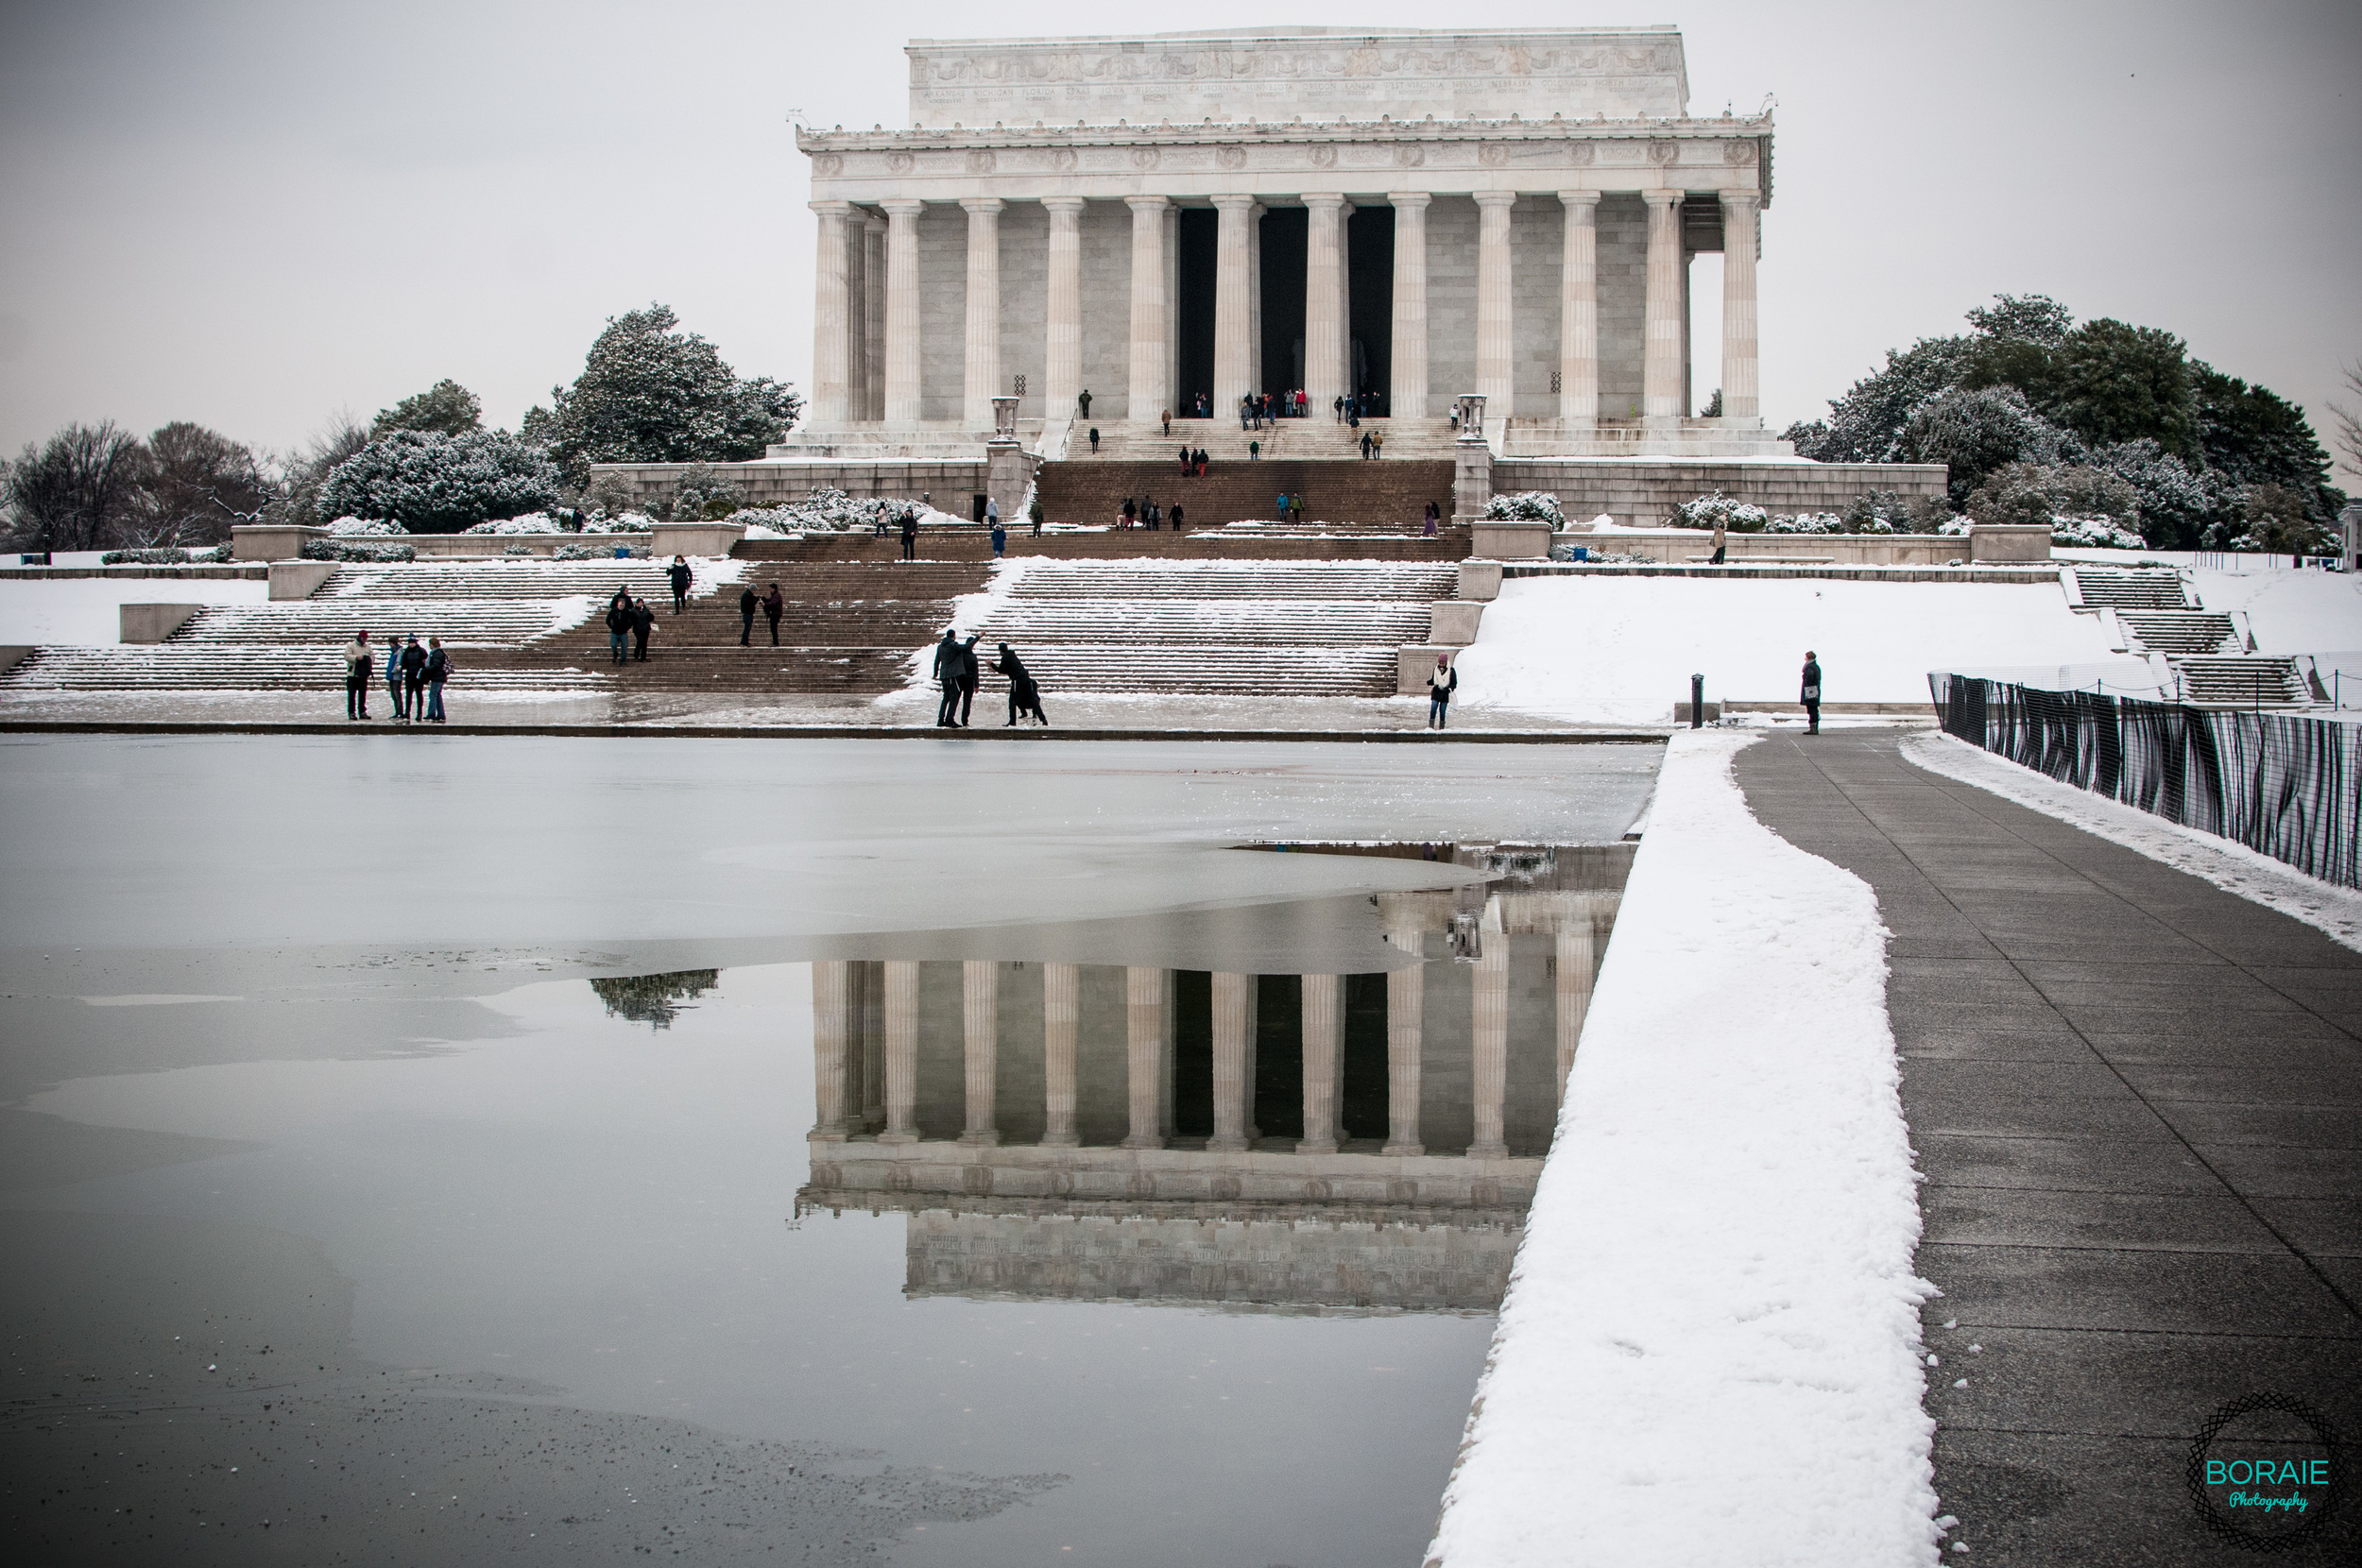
1710 1350
1622 650
2232 867
87 611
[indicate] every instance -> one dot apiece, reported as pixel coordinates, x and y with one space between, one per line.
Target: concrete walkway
2137 1103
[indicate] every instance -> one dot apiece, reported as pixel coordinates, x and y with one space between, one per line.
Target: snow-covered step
2134 589
2248 681
2193 632
181 667
479 622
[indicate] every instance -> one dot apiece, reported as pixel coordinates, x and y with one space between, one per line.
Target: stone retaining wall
1644 494
777 484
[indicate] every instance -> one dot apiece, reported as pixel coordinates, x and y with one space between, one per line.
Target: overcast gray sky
253 212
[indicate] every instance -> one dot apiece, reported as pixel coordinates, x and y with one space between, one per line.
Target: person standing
1722 540
1083 401
359 658
681 577
1434 516
1094 440
1168 418
437 672
1365 446
1131 513
746 603
910 536
1000 540
1177 517
1255 452
1440 686
1283 507
1810 694
393 676
992 512
774 605
414 679
1340 406
1188 459
970 677
1246 419
947 674
643 623
1378 444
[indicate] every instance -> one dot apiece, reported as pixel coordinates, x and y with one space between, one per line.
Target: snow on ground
1622 650
2292 612
2232 867
87 611
1710 1348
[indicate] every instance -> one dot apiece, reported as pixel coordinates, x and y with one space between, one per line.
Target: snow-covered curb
1710 1348
2232 867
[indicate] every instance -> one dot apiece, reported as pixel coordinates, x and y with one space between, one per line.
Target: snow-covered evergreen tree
649 393
433 484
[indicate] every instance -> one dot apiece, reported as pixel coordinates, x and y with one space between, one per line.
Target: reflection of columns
1324 345
831 316
829 1041
1234 1061
1579 311
1323 1057
1062 362
873 269
983 310
1494 364
1406 1002
1061 1007
1147 1041
1574 988
902 310
1150 359
872 1096
1406 395
1489 1020
1661 361
980 1017
902 1053
1233 280
1739 398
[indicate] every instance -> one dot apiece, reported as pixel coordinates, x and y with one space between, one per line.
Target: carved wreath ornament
827 164
900 162
1145 158
1324 156
979 162
1493 155
1231 158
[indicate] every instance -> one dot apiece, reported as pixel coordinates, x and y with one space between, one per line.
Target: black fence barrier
2281 784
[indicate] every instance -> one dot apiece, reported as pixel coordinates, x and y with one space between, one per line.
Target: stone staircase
2111 588
2243 681
967 544
1384 497
2179 633
1322 440
1302 628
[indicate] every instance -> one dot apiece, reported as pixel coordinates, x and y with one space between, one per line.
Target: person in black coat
413 680
1024 692
910 536
970 677
1810 694
774 605
747 605
643 623
948 667
680 575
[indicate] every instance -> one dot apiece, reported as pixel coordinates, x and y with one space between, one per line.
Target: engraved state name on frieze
1266 63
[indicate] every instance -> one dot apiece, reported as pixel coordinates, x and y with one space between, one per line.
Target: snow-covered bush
435 483
1808 523
166 557
2034 493
532 522
827 510
518 550
580 552
701 495
1526 506
370 527
337 550
1720 511
2094 533
1953 527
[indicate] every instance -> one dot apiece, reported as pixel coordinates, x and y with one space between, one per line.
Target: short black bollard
1697 701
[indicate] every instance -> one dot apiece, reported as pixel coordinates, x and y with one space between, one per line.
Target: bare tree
298 477
196 483
77 489
2346 423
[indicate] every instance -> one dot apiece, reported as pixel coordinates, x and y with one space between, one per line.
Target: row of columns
867 307
857 1004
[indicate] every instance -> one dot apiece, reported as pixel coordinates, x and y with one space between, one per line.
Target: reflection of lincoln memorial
1061 1129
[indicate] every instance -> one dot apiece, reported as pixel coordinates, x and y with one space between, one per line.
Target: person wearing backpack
437 671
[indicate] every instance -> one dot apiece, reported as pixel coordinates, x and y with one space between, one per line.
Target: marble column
1574 988
1152 360
979 1020
1740 401
873 267
1254 297
1148 1046
1661 367
829 1042
1324 341
901 353
1406 1006
1579 311
902 1053
1323 1063
1062 362
983 381
1233 284
1489 1031
1173 309
1234 1061
872 1096
1494 348
857 314
832 316
1061 1009
1406 394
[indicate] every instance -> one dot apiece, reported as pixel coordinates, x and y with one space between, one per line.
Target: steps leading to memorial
965 546
1223 441
1386 495
2243 681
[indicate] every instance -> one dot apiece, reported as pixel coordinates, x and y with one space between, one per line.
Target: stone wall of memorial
1451 300
1024 305
1537 242
1623 260
1106 230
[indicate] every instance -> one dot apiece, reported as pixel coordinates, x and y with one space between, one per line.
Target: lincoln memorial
1175 221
